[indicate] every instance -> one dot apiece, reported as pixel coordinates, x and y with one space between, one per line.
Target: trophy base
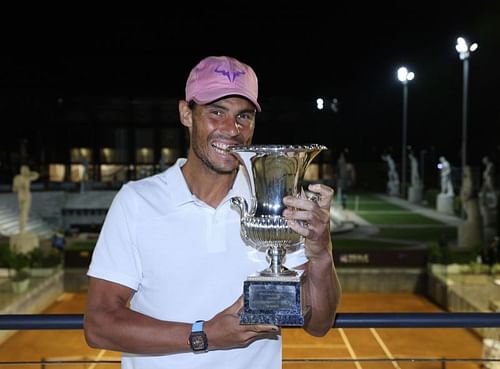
276 300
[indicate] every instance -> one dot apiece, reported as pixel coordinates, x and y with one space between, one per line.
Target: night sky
349 52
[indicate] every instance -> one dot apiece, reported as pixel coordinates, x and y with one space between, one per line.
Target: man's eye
245 117
217 113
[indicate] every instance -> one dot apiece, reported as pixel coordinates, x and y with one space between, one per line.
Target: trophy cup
273 295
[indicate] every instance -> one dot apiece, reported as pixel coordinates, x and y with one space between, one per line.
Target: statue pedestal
393 188
469 235
489 216
444 204
489 220
24 242
415 194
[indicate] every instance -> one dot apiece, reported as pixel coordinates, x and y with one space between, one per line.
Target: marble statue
415 176
392 176
488 200
24 241
21 185
488 176
446 184
469 232
415 191
468 196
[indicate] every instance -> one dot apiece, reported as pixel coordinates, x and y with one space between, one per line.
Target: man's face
229 121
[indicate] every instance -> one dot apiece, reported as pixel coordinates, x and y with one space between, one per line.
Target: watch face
198 341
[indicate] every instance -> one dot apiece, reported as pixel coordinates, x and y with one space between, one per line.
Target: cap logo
231 76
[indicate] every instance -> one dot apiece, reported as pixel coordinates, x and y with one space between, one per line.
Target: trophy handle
245 159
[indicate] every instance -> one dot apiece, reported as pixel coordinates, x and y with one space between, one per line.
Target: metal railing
343 320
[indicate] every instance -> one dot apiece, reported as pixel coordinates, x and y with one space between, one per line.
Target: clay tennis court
357 348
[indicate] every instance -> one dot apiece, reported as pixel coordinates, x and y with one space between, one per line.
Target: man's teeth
220 147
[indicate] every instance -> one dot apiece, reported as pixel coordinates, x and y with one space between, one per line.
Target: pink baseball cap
217 76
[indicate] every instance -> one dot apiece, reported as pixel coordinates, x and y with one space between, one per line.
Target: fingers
324 194
236 307
310 216
225 331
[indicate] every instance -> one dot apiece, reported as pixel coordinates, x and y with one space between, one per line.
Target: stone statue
488 176
446 184
468 196
392 175
488 197
469 233
415 176
415 191
21 184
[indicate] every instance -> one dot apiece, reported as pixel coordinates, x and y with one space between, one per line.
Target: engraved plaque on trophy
273 295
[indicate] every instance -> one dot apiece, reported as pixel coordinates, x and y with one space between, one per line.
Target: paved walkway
362 229
422 210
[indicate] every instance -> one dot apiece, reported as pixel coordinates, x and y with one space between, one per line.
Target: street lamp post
404 76
464 50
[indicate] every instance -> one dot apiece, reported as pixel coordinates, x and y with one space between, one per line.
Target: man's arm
322 287
323 292
110 324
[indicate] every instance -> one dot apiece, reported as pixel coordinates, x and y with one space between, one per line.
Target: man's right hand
225 331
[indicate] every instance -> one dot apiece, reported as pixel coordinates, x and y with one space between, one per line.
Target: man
170 258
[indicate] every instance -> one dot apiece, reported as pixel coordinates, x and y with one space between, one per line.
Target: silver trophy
273 295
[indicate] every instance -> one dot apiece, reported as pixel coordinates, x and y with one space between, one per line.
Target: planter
44 271
19 287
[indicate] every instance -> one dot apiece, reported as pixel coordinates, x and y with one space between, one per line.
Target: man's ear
185 114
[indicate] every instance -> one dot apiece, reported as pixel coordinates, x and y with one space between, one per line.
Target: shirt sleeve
115 257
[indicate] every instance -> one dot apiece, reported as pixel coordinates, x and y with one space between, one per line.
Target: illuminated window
81 154
112 173
144 155
57 172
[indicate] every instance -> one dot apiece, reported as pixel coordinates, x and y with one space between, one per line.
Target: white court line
98 357
313 346
349 348
384 348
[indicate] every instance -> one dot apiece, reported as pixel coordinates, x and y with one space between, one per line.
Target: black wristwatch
198 339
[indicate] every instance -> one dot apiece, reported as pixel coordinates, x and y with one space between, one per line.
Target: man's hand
310 217
225 331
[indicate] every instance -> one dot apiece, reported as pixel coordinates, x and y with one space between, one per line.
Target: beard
201 154
201 150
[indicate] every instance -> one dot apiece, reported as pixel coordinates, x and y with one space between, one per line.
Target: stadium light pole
404 75
464 50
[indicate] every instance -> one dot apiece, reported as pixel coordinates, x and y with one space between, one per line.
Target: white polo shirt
185 260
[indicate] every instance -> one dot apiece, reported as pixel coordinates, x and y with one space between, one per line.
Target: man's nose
231 126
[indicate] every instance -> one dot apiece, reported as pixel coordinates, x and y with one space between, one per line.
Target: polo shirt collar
179 190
